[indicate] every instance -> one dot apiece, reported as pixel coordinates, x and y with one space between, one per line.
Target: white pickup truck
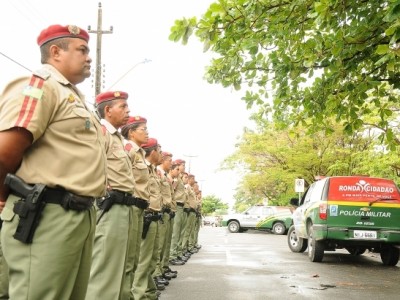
261 217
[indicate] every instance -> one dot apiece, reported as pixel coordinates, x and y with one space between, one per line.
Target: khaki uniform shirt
154 189
119 168
192 199
199 202
68 144
180 194
139 169
166 188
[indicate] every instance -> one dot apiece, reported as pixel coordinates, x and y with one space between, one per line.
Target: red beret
108 96
179 162
57 31
150 143
166 154
136 119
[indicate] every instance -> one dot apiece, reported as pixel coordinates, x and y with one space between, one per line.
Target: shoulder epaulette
42 73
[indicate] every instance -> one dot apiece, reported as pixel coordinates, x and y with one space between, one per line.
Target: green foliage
272 158
212 204
321 59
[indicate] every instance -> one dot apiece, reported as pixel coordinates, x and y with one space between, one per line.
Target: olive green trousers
56 265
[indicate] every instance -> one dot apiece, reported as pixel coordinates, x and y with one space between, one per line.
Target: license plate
364 234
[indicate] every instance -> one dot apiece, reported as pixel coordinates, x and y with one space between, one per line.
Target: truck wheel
233 226
315 248
390 256
279 228
295 243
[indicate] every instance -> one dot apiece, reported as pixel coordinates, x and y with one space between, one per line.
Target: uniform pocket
7 215
84 127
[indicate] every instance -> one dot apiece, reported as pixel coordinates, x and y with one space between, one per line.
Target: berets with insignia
179 162
58 31
136 120
165 154
152 142
109 96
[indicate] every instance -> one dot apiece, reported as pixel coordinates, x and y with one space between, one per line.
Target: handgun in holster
146 225
29 208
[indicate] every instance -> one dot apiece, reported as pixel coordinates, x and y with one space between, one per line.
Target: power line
14 61
126 73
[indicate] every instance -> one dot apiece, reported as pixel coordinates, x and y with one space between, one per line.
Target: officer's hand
2 204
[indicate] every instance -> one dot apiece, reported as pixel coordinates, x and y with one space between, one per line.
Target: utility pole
190 160
99 32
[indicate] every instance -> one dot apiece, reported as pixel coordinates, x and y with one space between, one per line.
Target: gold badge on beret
137 118
73 29
117 94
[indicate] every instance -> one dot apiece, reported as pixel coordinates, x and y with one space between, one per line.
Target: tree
212 204
272 158
314 59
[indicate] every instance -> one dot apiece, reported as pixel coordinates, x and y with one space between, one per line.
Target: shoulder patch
128 147
34 88
104 129
33 92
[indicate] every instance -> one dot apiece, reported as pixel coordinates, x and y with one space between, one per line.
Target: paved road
259 265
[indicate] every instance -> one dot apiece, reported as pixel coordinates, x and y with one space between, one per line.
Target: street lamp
190 160
126 73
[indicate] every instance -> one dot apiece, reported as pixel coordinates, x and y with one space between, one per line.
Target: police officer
115 217
163 228
193 238
48 136
191 218
144 286
180 195
136 134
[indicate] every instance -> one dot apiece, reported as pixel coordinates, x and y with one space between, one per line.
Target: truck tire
295 243
279 228
390 256
233 226
315 248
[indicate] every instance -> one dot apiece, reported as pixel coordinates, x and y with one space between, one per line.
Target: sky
194 120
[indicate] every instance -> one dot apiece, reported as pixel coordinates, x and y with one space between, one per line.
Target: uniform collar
110 128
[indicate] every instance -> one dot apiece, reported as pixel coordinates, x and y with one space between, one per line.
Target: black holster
146 225
148 218
29 208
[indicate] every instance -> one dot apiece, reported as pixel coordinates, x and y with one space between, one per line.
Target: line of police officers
96 209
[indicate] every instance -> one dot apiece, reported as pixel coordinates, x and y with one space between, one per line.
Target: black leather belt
181 204
141 203
124 198
67 200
